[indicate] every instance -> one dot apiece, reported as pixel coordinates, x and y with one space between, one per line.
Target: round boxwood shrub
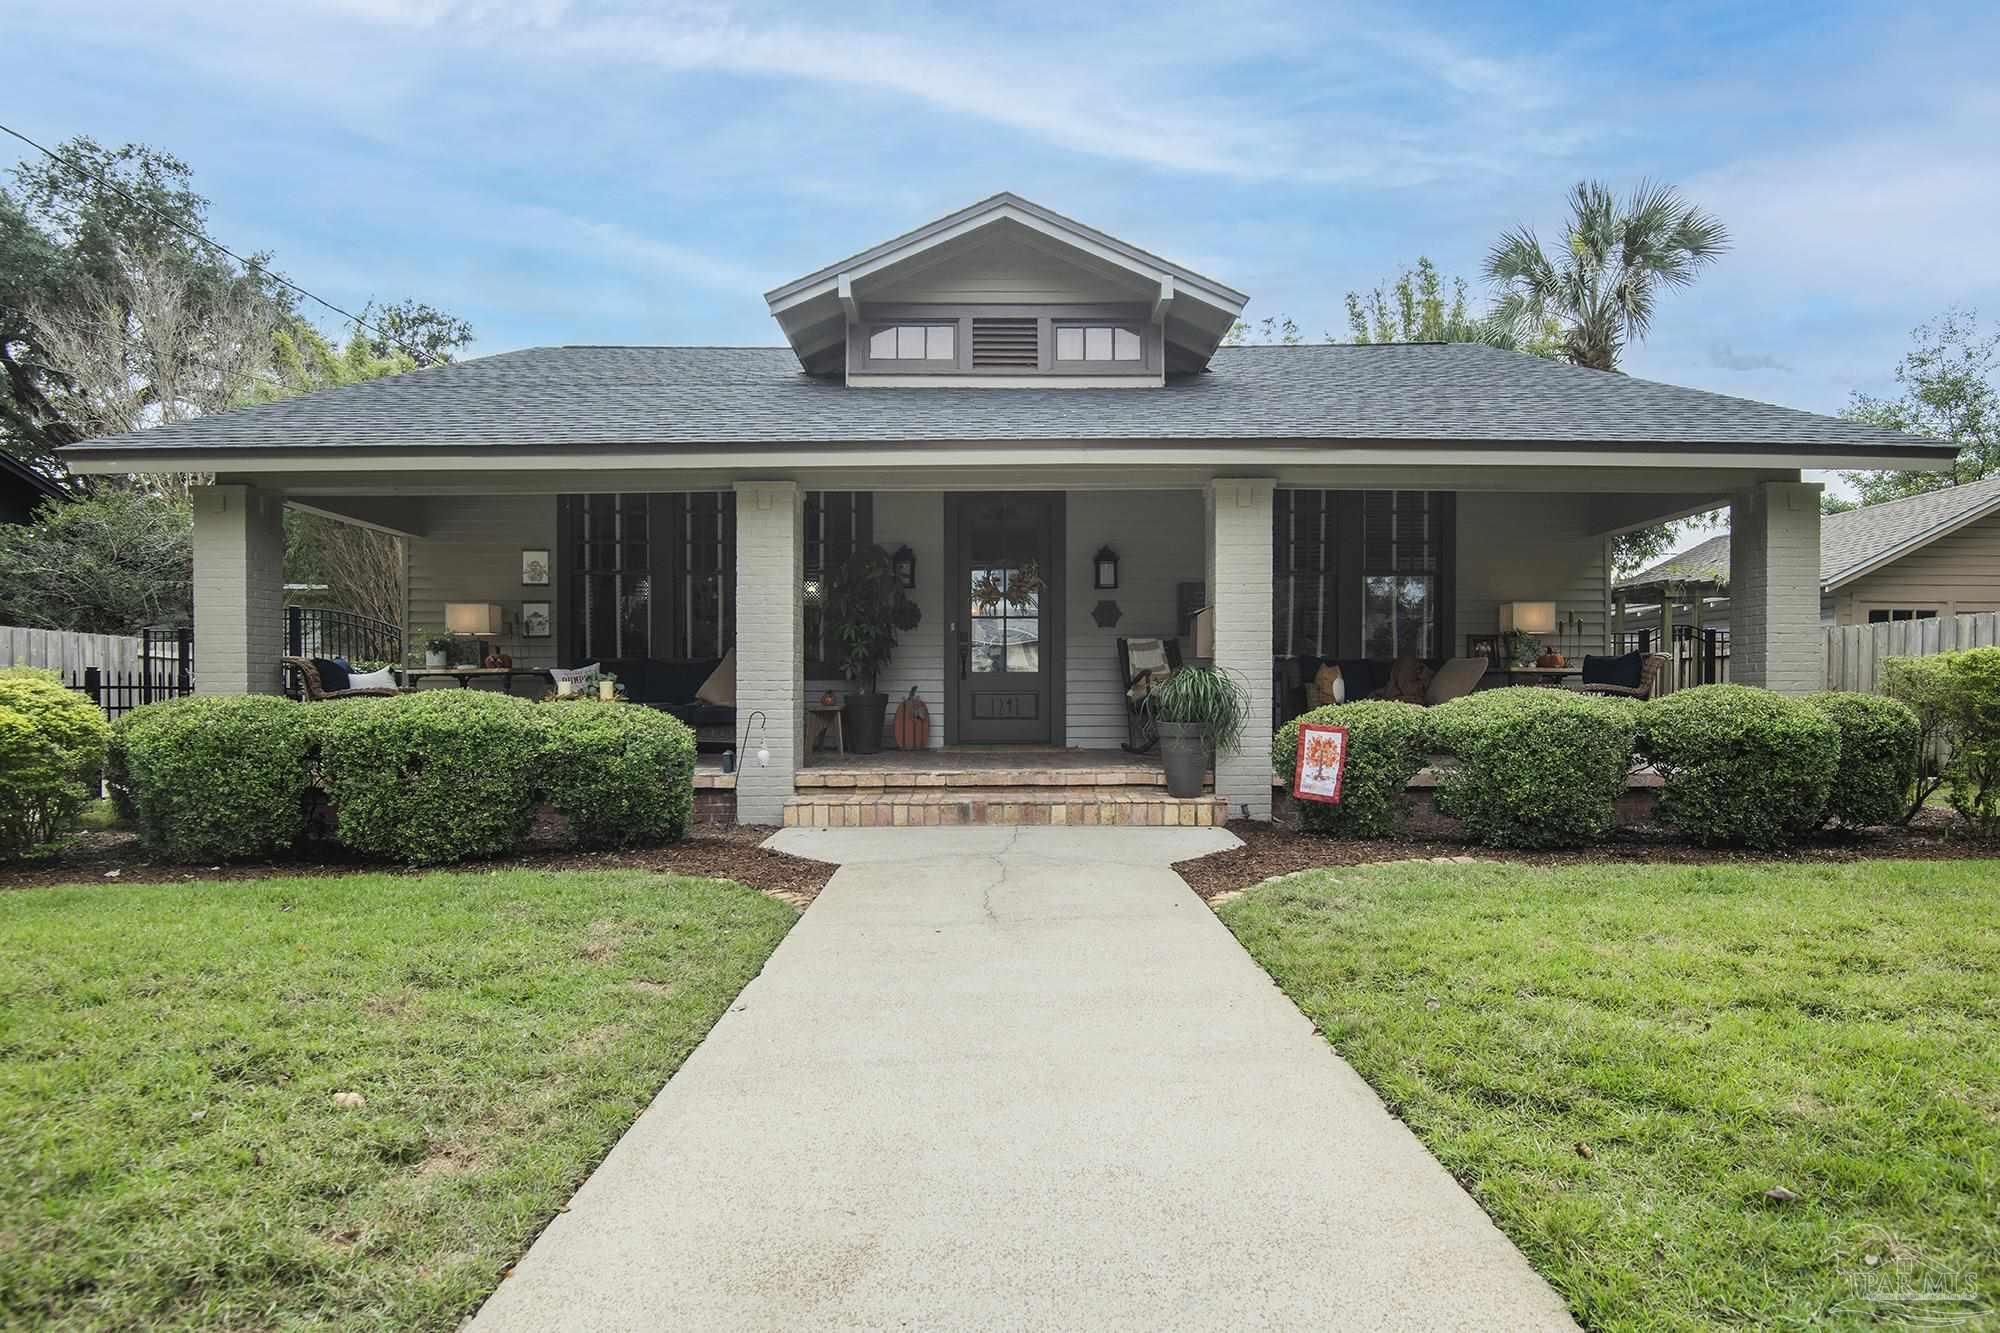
1880 741
1387 743
431 777
1741 765
1534 767
52 744
621 774
216 776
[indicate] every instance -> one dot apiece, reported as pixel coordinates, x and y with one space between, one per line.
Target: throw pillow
332 672
577 674
385 679
1329 686
720 687
1624 670
1456 677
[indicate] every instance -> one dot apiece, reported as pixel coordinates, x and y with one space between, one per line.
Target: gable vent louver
1005 343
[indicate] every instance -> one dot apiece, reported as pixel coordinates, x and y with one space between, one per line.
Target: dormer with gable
1004 294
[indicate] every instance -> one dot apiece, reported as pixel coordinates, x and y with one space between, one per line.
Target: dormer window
914 342
1092 343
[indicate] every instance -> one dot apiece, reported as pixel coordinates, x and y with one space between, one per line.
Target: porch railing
312 631
1699 656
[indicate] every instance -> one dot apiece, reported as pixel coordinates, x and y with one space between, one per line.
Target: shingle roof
1848 542
667 396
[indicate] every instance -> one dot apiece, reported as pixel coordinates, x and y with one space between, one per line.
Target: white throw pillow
385 679
720 687
577 674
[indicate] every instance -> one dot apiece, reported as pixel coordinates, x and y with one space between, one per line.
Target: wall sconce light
1106 565
904 562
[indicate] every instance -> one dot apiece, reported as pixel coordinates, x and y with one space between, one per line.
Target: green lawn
169 1056
1704 1034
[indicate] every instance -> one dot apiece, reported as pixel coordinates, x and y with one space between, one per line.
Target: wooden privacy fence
1855 653
69 653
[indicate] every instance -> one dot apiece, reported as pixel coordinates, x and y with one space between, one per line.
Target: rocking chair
1156 658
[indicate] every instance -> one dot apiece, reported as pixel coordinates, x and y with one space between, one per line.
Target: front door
1005 617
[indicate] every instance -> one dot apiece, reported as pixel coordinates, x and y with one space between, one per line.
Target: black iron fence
166 671
312 631
1700 654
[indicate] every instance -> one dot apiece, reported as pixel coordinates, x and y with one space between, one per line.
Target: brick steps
1113 804
862 781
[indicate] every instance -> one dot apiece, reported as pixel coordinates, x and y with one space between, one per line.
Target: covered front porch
1026 580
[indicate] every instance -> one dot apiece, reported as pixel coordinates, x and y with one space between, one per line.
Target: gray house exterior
1007 390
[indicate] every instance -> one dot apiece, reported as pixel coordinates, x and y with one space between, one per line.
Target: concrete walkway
1017 1078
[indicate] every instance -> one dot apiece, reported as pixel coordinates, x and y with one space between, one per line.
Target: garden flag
1322 762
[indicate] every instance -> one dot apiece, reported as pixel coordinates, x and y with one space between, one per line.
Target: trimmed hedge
1741 765
1387 743
1957 700
1879 745
216 776
620 774
431 777
52 743
1534 767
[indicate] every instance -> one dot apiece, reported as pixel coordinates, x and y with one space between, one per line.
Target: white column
239 590
1239 587
1774 629
770 646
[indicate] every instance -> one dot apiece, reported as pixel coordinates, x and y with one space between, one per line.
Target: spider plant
1211 700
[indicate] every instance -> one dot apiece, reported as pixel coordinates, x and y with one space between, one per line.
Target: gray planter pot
862 720
1185 756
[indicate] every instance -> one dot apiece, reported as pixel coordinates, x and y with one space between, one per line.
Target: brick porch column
1239 587
239 590
770 645
1775 636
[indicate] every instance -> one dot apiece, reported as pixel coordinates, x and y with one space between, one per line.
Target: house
1008 394
1920 557
22 490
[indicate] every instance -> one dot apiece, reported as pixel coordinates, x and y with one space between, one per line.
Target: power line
417 355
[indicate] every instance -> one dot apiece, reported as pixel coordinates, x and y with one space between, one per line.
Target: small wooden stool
822 718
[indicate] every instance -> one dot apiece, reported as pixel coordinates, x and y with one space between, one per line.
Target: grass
169 1056
1619 1061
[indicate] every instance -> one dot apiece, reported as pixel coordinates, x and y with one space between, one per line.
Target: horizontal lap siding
1956 574
1530 548
472 553
1158 536
916 519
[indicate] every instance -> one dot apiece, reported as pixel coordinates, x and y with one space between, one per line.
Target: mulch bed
1272 849
710 851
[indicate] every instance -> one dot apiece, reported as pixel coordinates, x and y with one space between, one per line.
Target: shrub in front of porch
431 777
212 777
1879 748
52 741
1741 765
1387 744
1533 768
620 775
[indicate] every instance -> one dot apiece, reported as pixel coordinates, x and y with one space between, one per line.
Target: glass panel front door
1004 580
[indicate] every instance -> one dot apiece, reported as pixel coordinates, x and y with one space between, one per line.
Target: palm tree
1602 292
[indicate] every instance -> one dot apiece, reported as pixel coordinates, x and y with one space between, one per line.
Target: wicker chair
1649 678
308 675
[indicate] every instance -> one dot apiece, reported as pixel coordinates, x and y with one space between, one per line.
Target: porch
1026 580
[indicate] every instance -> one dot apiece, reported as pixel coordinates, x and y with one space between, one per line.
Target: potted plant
867 602
1196 710
437 650
1522 648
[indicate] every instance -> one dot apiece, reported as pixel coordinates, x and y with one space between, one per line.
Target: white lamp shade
472 617
1528 617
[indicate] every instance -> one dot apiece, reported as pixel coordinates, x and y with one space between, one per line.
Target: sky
562 172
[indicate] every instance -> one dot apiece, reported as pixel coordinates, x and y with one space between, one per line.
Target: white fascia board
1056 228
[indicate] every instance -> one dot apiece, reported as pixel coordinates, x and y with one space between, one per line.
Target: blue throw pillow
1624 670
333 673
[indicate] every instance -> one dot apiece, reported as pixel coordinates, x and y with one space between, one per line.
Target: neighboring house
1929 555
22 489
1004 392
